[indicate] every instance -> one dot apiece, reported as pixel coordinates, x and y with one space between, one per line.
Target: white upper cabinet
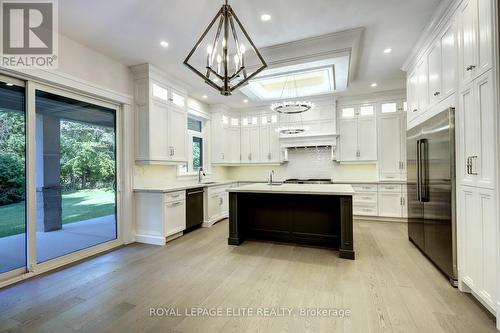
177 136
250 144
219 124
358 133
435 73
448 61
475 33
412 93
161 125
423 84
442 61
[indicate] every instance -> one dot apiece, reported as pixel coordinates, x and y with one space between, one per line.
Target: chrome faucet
271 175
201 174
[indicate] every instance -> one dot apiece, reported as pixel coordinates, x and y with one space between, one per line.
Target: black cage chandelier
223 66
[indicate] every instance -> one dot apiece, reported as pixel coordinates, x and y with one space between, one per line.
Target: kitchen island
319 215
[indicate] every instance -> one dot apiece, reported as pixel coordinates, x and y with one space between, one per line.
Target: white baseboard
380 219
208 224
152 240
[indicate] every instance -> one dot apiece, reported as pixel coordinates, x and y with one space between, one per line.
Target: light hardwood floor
390 287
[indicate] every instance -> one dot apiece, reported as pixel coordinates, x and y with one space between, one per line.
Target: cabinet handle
415 110
469 68
472 172
249 157
469 166
437 93
221 200
269 156
222 155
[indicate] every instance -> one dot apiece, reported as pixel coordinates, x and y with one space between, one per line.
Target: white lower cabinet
380 200
217 204
160 217
390 201
175 217
478 253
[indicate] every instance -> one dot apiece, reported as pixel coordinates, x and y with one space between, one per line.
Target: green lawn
76 206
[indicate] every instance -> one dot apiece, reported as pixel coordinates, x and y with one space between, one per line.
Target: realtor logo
29 33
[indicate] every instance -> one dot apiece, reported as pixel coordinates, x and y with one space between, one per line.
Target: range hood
306 141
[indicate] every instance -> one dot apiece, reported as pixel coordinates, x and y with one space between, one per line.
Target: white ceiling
131 30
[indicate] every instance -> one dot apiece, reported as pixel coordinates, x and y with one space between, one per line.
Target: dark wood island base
312 219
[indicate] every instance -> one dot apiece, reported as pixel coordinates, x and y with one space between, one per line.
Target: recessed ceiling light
245 101
164 44
374 85
205 96
265 17
9 84
388 50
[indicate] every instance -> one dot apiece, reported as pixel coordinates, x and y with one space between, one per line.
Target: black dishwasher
194 208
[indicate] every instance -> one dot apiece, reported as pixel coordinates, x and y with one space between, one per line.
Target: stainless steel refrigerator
431 190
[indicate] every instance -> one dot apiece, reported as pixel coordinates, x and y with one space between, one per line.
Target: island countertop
311 189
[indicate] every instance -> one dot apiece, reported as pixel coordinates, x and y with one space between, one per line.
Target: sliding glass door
75 175
12 176
58 177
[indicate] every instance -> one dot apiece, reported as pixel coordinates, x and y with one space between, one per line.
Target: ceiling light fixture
388 50
265 17
164 44
205 96
373 85
245 101
220 62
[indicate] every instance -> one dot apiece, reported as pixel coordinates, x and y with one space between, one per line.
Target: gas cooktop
308 181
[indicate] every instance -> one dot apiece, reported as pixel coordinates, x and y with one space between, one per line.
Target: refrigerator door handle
424 164
418 170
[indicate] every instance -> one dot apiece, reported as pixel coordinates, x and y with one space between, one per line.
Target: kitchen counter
309 189
182 187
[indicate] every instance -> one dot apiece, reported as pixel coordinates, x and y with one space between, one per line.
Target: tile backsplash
307 163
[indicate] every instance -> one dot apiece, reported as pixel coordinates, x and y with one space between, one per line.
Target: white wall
86 64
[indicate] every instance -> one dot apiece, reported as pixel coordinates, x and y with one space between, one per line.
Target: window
366 110
194 125
348 113
178 99
389 107
196 139
160 92
197 153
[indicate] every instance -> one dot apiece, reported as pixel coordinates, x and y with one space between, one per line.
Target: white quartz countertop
313 189
182 187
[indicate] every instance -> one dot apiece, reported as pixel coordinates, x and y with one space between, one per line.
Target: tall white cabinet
463 73
160 118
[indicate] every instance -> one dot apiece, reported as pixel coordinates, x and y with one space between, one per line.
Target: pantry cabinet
477 133
392 146
479 238
358 134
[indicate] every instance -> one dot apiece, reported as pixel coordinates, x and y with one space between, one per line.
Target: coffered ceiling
131 31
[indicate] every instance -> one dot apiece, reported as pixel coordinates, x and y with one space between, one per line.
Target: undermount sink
208 183
274 184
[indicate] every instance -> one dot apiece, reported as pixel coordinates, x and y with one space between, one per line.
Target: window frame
203 135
